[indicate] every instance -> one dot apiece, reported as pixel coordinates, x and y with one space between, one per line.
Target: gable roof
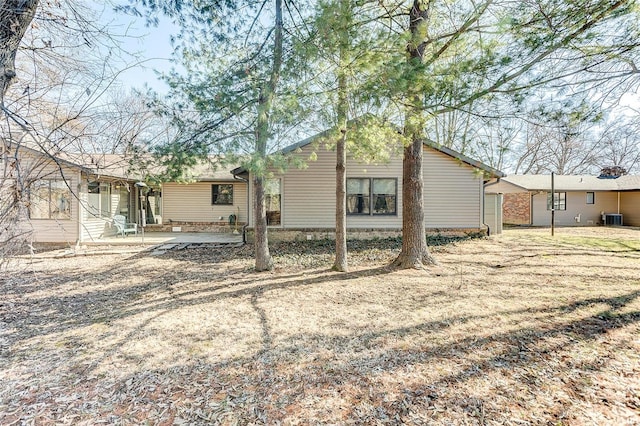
56 158
444 150
573 183
468 160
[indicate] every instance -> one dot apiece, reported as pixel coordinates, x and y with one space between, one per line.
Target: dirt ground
517 329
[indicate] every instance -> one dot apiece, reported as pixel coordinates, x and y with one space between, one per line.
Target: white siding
94 227
191 202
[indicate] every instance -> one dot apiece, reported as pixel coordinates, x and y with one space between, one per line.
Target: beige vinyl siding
630 208
452 192
56 230
502 187
308 195
606 201
191 202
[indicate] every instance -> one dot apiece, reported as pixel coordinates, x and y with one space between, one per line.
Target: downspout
618 202
482 210
246 225
79 211
531 194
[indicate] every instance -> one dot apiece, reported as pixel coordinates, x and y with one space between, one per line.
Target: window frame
560 204
49 199
372 196
215 195
274 217
591 200
100 211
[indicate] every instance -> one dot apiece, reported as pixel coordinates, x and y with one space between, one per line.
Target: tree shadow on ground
283 376
276 382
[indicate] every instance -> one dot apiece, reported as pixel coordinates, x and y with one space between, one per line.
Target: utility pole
553 204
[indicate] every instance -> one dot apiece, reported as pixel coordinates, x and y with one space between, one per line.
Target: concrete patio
156 238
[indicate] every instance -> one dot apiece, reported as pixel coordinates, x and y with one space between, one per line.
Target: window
372 196
222 194
559 202
591 197
99 200
50 199
358 192
273 201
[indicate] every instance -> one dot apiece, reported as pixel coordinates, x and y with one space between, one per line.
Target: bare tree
620 145
58 64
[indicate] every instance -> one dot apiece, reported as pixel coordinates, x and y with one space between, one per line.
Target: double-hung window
50 199
559 201
372 196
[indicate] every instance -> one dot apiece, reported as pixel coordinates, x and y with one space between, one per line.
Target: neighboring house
579 200
303 200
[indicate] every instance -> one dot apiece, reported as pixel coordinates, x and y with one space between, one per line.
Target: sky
151 43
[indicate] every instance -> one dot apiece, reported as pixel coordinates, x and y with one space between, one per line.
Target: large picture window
372 196
99 200
559 201
222 194
50 199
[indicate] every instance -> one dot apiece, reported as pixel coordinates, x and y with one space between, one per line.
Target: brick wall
219 226
516 209
276 234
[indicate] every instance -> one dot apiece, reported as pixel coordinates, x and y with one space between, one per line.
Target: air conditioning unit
613 219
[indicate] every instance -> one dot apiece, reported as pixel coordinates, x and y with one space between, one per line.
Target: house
580 200
211 200
74 198
301 202
70 198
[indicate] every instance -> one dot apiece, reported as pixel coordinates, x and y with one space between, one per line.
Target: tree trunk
414 253
265 103
261 244
341 150
15 17
341 203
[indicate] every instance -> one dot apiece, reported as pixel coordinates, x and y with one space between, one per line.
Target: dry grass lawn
519 329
